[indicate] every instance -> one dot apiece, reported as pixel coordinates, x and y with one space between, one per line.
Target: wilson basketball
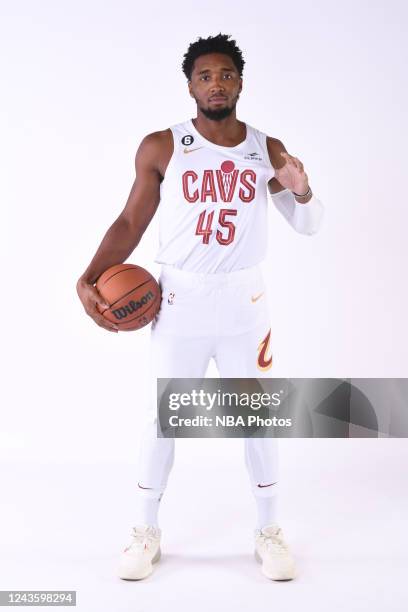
133 294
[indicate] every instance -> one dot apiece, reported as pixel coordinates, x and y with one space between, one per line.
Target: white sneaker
137 558
272 551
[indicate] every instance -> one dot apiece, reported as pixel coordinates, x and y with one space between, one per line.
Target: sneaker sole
280 577
149 569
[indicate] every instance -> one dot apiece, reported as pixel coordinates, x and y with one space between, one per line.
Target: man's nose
217 85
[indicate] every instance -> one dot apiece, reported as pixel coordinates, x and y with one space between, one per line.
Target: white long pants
204 316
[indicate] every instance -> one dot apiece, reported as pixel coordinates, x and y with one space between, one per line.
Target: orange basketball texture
133 294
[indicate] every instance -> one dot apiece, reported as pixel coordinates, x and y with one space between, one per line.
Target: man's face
215 85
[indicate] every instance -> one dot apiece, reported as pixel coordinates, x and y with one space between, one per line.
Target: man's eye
228 76
204 77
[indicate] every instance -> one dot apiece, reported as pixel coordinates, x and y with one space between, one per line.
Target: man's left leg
242 356
249 355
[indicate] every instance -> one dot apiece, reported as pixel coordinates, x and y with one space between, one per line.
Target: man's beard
217 115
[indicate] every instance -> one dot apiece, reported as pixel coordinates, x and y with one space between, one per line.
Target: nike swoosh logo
191 150
255 298
263 486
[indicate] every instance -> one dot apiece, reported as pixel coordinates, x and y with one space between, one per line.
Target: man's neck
227 132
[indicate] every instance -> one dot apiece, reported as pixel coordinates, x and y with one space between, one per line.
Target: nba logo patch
170 299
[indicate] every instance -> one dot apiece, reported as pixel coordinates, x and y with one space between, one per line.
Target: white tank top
213 202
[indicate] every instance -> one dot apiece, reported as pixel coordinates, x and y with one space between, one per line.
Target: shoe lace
143 538
274 543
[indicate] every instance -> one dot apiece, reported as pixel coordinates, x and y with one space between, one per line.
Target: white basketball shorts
224 316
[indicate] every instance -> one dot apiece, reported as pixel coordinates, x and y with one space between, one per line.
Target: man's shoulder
274 145
275 148
156 144
157 138
164 136
162 142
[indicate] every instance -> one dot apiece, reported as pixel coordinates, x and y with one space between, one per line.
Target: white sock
147 507
266 507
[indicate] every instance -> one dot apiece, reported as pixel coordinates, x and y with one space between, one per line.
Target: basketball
133 294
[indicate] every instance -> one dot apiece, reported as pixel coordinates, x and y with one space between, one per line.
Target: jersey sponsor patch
253 156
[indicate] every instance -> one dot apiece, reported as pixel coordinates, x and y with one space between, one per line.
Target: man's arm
125 233
304 214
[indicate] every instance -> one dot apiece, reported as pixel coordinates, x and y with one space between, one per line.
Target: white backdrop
82 83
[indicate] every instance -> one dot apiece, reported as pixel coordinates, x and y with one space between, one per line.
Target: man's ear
240 85
190 90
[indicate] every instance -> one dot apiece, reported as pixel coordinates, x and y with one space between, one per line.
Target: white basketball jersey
213 202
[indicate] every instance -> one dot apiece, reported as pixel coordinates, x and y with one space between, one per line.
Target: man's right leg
171 357
177 351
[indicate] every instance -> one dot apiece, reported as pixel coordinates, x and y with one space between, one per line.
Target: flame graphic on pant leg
264 362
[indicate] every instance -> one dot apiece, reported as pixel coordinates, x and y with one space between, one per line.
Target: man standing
210 175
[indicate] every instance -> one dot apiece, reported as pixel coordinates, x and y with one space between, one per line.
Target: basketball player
210 175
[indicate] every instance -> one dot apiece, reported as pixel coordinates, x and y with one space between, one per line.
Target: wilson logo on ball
133 306
133 293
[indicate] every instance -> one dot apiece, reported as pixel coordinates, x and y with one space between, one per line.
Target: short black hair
212 44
